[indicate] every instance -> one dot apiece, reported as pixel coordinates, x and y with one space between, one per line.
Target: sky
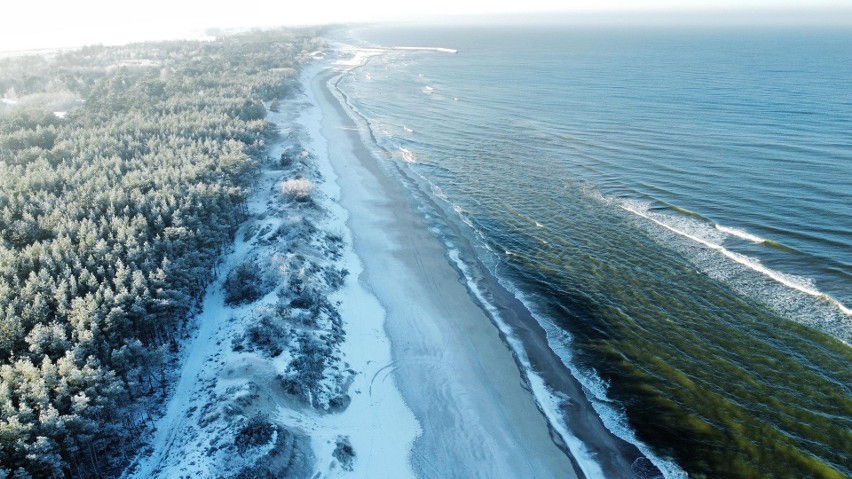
32 24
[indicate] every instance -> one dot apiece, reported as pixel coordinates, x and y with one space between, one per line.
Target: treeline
112 218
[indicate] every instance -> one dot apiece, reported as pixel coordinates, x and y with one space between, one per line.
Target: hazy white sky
28 24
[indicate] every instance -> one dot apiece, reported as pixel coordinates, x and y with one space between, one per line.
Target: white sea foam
437 191
742 234
614 419
548 402
595 388
427 49
797 283
407 155
427 89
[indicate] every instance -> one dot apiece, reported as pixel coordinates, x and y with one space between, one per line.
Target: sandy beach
454 372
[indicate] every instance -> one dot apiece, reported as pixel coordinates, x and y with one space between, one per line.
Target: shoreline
413 379
572 420
454 370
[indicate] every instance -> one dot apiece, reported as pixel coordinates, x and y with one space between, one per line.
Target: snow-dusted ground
380 426
240 401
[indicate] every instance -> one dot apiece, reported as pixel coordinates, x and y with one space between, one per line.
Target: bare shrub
297 189
344 453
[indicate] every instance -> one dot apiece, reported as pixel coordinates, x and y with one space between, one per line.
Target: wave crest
699 234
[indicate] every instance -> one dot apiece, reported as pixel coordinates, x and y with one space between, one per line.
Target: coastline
420 372
456 374
433 382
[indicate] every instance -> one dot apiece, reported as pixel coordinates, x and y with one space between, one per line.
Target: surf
794 282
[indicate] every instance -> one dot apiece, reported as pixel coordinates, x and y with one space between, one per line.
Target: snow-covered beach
353 421
415 380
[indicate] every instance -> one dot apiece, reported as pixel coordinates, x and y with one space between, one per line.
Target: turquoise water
674 206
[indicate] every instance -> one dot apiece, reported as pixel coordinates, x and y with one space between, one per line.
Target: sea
672 205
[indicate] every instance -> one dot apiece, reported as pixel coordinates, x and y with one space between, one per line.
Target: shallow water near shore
672 207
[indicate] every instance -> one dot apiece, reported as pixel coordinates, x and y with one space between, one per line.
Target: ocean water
673 206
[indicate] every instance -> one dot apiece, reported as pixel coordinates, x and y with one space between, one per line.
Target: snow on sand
296 381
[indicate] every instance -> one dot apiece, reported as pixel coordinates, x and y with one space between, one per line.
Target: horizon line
758 17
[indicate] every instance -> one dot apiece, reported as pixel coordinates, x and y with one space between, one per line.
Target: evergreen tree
111 220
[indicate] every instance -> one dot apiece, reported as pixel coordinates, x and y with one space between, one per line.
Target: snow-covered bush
257 431
243 284
335 277
298 189
288 455
344 453
268 335
305 372
286 158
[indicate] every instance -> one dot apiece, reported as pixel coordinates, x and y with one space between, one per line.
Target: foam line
548 403
742 234
427 49
407 155
779 277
